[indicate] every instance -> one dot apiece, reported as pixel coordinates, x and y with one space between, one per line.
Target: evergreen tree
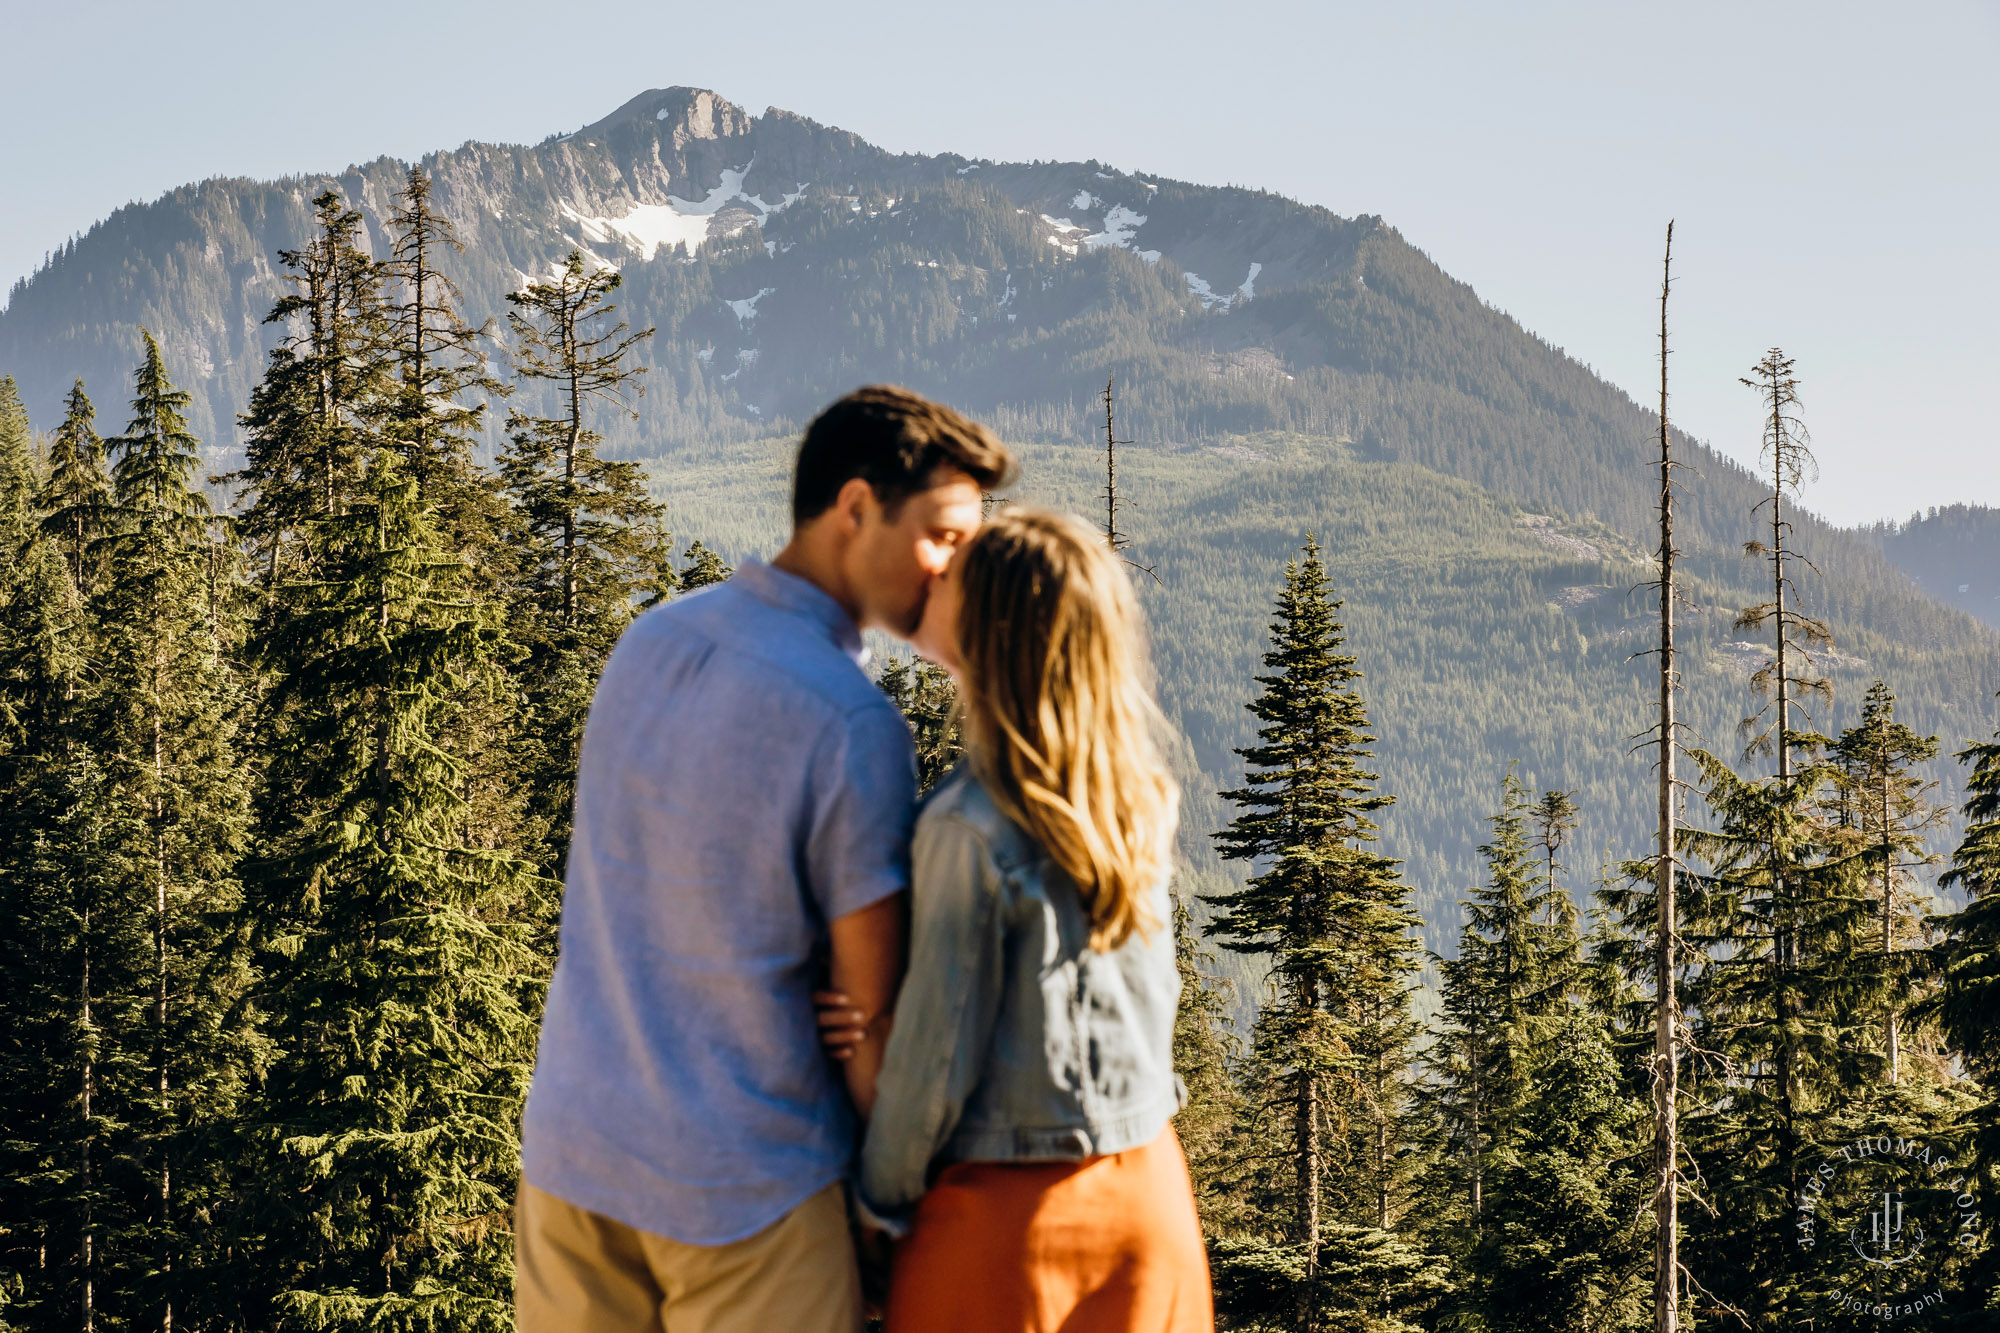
1562 1244
1204 1054
1888 810
75 501
404 985
74 990
437 361
590 551
1553 819
18 484
1966 1003
1504 997
314 417
1780 921
76 1077
166 719
1332 918
702 569
69 971
46 1047
434 363
928 699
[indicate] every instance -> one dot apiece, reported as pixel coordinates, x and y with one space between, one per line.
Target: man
743 814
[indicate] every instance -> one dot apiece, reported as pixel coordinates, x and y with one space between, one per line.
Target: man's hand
865 969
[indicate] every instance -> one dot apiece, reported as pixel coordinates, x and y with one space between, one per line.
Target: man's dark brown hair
896 441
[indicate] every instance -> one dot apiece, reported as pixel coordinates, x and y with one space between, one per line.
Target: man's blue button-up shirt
742 783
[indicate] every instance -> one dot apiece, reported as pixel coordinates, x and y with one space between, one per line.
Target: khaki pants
578 1272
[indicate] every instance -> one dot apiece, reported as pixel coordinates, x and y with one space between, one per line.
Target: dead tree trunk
1666 1055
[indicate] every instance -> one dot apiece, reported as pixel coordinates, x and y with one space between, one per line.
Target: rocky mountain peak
684 114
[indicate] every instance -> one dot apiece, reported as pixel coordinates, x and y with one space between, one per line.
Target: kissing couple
793 1013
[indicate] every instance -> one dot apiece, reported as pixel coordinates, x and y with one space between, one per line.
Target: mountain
1953 553
1484 498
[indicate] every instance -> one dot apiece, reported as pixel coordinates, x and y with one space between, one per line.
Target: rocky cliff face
680 189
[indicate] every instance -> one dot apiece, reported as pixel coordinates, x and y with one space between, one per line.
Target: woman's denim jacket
1013 1039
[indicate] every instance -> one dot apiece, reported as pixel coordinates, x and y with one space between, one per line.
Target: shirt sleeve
858 848
944 1017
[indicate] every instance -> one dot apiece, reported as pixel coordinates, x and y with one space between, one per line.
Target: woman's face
937 633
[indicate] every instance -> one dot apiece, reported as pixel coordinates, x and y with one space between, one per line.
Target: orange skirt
1107 1245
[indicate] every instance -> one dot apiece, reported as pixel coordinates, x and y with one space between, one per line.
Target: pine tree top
157 455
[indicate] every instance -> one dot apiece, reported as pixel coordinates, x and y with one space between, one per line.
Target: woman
1020 1144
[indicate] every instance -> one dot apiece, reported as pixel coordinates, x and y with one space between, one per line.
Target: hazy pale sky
1831 165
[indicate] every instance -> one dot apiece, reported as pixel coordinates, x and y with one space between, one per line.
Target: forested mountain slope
1482 495
1953 552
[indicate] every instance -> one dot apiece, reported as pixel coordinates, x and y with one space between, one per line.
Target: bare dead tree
1666 1052
1114 536
1787 450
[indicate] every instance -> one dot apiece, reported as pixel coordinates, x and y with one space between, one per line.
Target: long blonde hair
1059 713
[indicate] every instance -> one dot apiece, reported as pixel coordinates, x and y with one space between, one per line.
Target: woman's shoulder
961 802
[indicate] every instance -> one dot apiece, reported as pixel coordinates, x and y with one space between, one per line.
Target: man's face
936 639
898 552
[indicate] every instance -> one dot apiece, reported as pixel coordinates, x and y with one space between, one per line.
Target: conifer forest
289 732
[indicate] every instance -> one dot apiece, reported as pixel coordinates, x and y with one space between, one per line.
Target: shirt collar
789 592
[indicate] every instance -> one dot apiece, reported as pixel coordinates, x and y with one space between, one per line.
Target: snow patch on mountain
1212 299
678 223
1067 234
1121 225
746 309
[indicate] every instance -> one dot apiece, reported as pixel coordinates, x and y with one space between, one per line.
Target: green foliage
1888 810
169 701
1966 1003
1505 997
1363 1279
1331 1047
311 421
437 361
76 498
1205 1053
928 698
1969 1002
588 550
403 985
126 816
1562 1245
702 568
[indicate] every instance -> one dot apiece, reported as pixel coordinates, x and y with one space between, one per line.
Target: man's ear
853 505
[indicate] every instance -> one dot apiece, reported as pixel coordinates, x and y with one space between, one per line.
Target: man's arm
865 968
